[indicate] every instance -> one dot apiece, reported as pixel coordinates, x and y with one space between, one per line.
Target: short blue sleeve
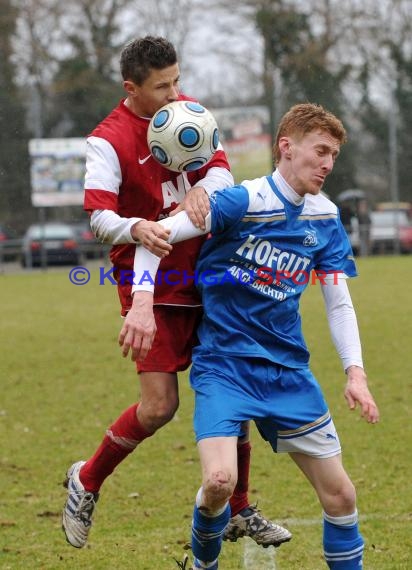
228 207
338 255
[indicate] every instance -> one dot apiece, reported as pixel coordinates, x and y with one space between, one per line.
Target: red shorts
175 337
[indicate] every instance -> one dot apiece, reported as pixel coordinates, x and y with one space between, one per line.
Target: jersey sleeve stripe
100 200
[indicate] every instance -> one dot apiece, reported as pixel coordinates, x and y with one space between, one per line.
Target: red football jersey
149 191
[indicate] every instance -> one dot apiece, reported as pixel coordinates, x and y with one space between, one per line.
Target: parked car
10 244
58 242
89 245
389 227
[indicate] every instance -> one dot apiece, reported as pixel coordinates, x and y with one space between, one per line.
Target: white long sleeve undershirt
343 324
109 227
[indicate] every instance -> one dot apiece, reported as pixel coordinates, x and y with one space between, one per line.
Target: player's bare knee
161 415
156 414
348 496
342 500
218 487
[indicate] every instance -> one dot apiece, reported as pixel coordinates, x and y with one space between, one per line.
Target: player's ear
129 87
284 146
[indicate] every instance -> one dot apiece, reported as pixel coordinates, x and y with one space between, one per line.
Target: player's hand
139 327
152 236
357 392
197 206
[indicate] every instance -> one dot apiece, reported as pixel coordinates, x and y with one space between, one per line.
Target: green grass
63 381
251 164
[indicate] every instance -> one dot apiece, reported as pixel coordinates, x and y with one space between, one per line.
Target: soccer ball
183 136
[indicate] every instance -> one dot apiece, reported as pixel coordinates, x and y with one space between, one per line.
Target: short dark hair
142 55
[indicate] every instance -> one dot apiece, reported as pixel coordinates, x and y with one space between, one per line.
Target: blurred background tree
302 59
14 163
59 73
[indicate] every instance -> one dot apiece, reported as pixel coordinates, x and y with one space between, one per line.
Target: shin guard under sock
240 500
342 542
121 439
207 532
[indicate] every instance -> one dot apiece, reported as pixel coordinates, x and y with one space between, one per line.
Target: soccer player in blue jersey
270 238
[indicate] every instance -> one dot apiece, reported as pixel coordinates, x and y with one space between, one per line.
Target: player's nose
173 93
328 163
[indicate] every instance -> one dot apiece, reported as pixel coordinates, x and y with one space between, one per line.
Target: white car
390 231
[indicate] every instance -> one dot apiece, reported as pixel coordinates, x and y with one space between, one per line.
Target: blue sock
342 542
207 534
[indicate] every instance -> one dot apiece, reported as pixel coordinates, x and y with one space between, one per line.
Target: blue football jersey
257 263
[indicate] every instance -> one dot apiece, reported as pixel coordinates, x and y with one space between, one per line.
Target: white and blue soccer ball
183 136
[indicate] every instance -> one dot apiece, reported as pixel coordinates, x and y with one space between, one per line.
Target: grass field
251 163
63 382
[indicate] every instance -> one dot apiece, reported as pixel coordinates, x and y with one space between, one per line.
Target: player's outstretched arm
139 327
146 263
196 202
109 227
152 236
357 393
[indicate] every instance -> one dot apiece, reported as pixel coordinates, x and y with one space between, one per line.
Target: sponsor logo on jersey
175 192
263 253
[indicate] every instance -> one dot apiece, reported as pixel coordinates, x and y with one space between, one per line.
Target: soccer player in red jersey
126 193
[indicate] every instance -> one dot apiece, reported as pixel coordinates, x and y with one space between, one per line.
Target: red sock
121 439
240 499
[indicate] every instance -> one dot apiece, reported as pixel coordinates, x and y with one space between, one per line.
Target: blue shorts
287 404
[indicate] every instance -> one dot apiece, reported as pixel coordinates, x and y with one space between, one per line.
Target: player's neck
286 189
134 108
